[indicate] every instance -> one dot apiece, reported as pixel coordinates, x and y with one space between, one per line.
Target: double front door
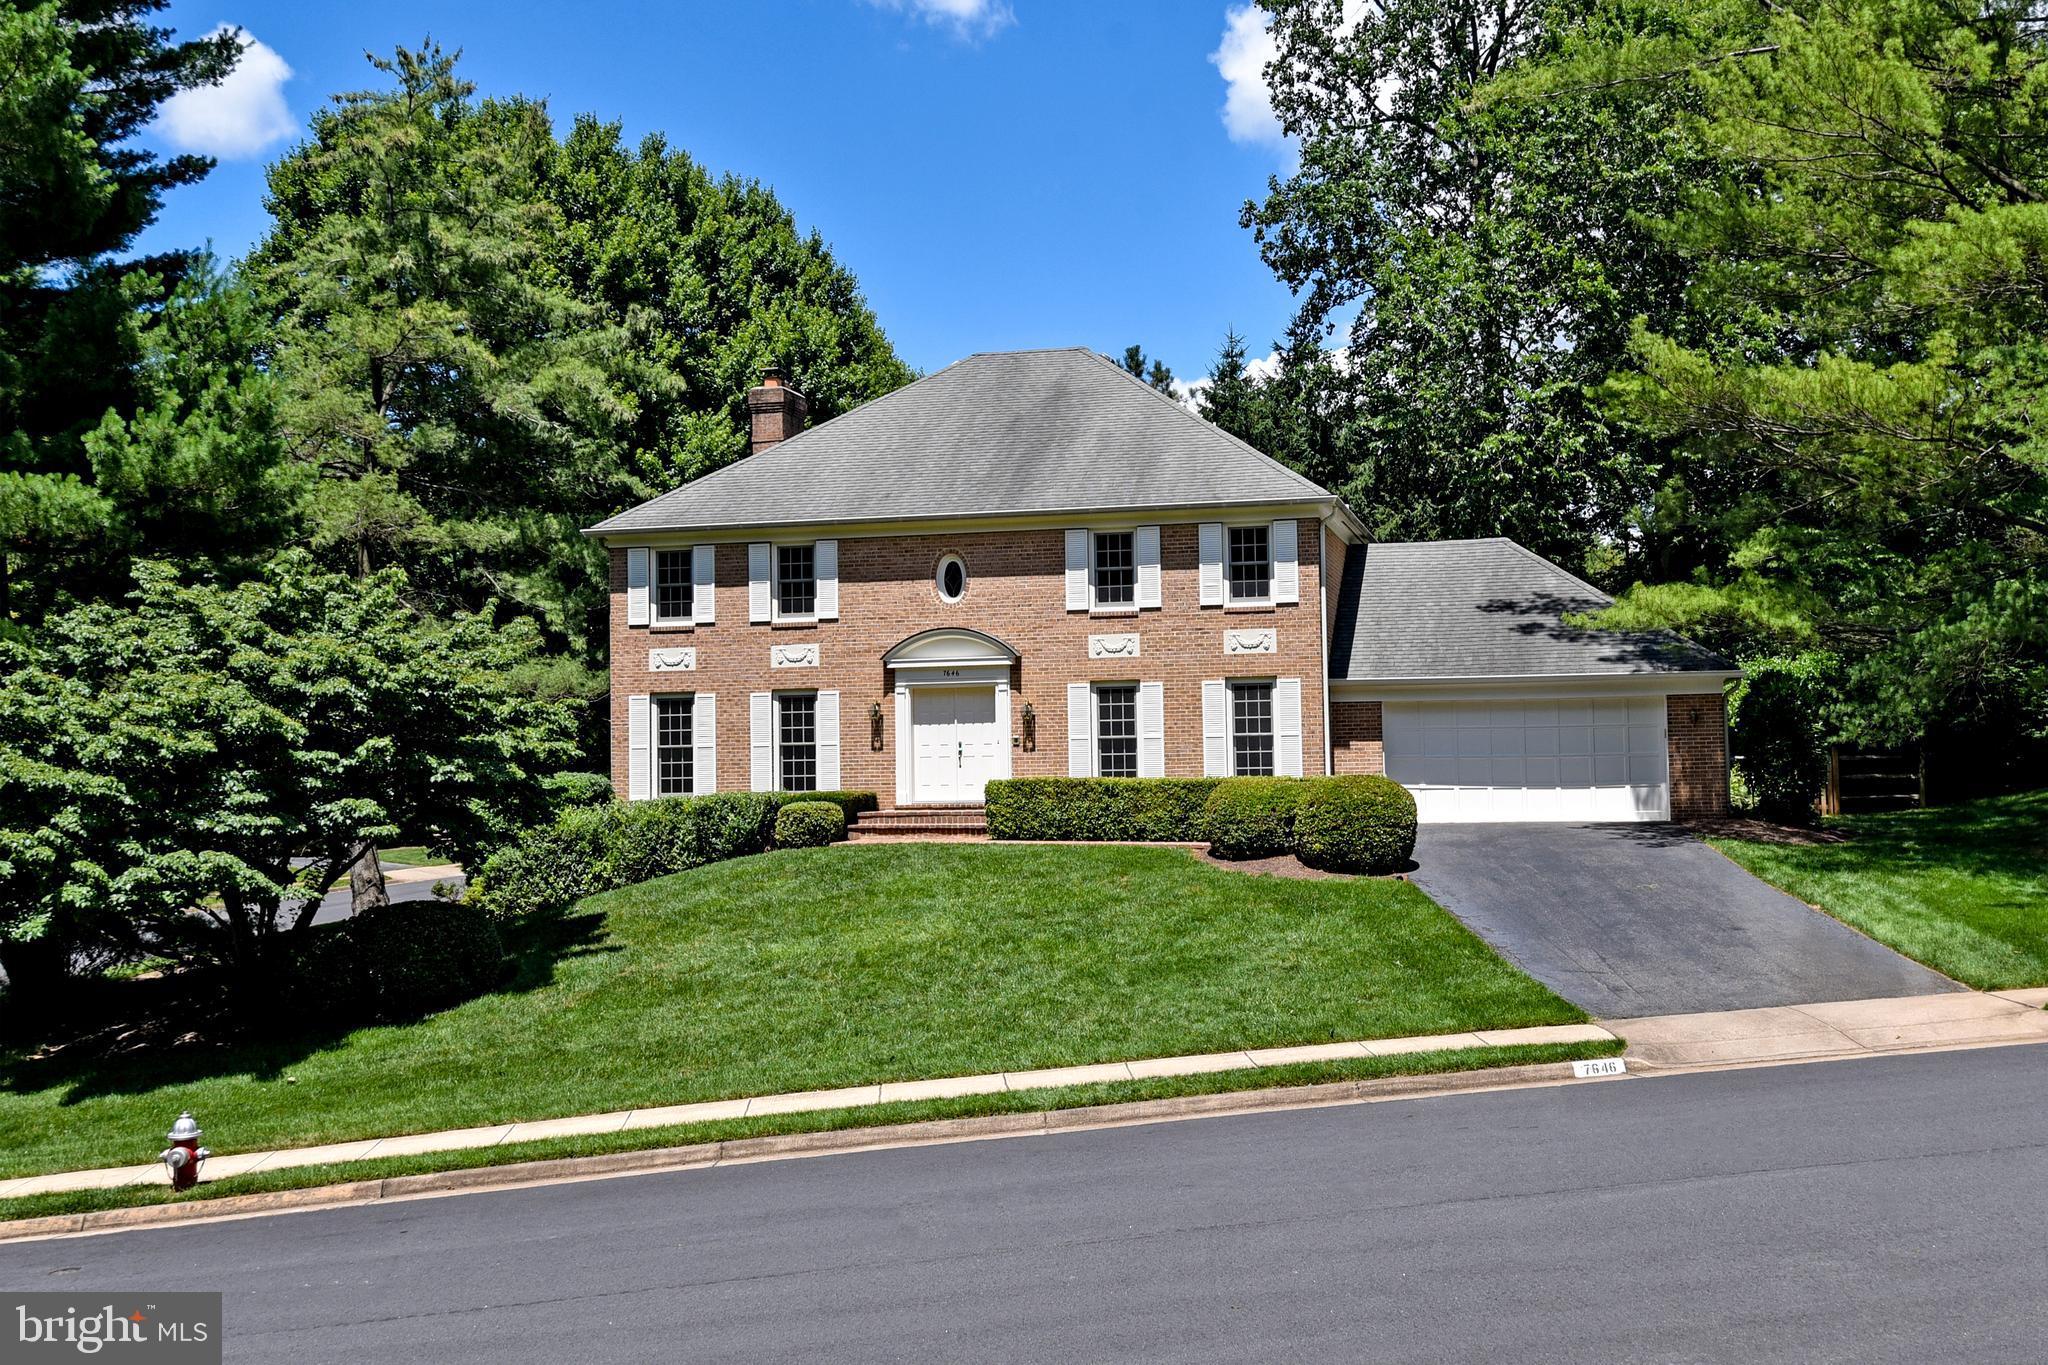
957 743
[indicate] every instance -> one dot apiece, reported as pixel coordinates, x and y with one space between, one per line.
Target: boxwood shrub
598 848
1098 808
809 824
1251 817
1355 824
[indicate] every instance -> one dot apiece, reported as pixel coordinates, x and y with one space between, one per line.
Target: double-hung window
1251 729
1116 569
796 741
1116 730
1250 564
675 755
796 582
674 597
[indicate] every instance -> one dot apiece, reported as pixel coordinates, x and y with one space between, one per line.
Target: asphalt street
1868 1211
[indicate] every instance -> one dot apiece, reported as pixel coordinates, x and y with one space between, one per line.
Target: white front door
1589 760
957 744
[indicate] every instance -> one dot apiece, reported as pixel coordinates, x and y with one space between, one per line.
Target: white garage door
1530 760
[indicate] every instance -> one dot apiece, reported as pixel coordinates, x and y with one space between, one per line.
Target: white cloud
1241 59
241 116
967 18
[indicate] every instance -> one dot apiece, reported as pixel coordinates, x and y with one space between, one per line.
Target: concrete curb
739 1151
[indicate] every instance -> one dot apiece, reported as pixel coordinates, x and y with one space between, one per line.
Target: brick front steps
920 822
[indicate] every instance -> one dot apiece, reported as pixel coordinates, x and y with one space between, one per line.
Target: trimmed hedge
1251 817
1355 824
599 848
809 824
1154 809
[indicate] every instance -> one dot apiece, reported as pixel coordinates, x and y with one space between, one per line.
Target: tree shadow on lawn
134 1037
2001 837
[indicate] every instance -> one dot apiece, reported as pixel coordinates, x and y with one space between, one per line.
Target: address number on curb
1600 1066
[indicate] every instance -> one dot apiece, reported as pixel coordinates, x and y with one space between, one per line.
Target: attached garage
1454 671
1564 759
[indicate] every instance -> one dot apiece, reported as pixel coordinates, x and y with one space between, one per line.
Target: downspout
1323 641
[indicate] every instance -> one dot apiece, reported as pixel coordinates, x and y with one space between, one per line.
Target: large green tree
186 773
1467 270
1857 392
78 80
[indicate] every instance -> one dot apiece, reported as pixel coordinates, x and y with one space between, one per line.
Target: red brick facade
1355 745
1696 727
1016 592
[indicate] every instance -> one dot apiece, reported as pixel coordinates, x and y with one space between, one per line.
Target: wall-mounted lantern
875 726
1030 729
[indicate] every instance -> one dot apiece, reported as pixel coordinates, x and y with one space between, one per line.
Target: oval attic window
952 578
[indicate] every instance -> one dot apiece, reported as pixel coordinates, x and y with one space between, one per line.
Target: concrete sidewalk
712 1111
1846 1028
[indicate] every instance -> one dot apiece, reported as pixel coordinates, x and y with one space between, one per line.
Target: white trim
1323 647
1536 686
952 675
638 571
949 647
639 748
653 585
993 520
939 576
903 739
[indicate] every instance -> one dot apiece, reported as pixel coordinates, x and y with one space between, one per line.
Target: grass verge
827 1120
807 970
1961 888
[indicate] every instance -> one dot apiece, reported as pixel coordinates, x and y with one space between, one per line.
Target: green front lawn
1963 889
817 968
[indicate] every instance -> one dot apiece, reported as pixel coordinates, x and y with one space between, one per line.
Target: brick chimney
775 411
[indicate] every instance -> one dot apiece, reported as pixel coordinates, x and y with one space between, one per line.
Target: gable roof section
999 433
1452 609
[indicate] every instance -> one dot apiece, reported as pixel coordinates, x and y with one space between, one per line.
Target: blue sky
998 175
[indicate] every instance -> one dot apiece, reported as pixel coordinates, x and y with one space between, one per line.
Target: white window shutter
828 741
1146 543
825 562
1077 571
1080 731
704 737
1286 561
760 575
1151 729
1211 546
639 762
761 742
636 585
1215 728
704 584
1287 727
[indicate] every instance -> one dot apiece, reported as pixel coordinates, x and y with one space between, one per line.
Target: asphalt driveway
1631 920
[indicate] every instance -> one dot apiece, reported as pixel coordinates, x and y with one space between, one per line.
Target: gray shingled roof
1483 609
1000 432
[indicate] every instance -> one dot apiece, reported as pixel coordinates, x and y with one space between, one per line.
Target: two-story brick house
1031 564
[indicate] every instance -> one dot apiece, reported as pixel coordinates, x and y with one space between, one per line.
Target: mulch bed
1765 832
1286 865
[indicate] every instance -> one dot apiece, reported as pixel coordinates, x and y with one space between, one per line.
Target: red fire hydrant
184 1154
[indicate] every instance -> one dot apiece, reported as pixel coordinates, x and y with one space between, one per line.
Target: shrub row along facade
1031 564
